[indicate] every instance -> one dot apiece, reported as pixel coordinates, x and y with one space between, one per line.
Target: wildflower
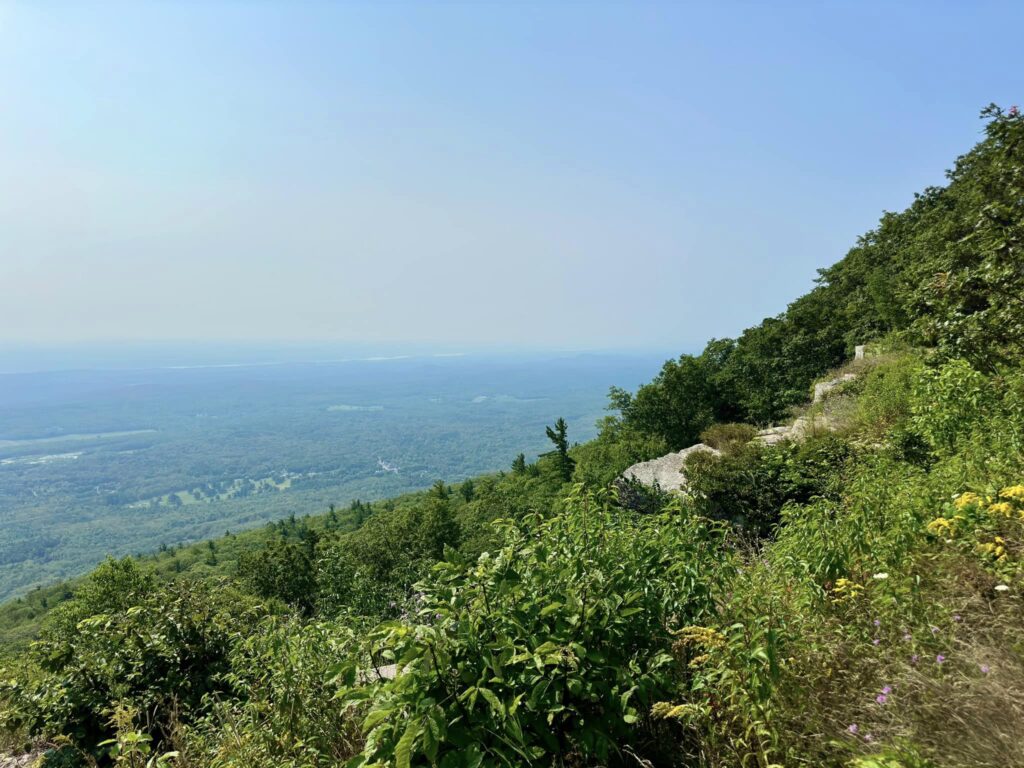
704 637
935 630
887 690
846 590
881 698
852 728
876 641
1002 588
1001 508
957 617
940 659
664 710
985 669
914 658
868 738
881 576
1015 492
966 500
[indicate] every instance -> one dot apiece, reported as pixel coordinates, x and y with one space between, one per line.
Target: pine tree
559 436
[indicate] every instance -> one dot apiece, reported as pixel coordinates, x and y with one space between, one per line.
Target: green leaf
403 749
493 700
549 609
375 717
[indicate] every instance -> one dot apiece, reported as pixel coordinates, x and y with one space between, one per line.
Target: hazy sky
578 174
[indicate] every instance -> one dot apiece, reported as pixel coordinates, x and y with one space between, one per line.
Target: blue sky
585 175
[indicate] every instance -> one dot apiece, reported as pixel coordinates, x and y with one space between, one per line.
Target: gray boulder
667 470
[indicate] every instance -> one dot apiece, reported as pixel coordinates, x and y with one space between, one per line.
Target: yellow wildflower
706 637
940 526
1014 492
845 589
666 711
966 499
1002 508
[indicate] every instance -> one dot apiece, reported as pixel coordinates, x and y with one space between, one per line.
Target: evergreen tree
519 464
559 436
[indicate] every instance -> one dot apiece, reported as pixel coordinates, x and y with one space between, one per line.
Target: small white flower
1002 588
881 576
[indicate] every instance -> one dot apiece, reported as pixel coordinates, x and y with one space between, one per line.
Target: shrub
728 438
158 657
555 646
284 711
751 487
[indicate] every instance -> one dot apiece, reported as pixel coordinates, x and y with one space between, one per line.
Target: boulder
667 470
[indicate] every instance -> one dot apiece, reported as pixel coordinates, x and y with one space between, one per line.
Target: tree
559 436
519 464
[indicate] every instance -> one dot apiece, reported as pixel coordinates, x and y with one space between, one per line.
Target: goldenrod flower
1015 492
1002 508
966 499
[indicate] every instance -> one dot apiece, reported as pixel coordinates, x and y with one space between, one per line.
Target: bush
750 487
284 711
156 655
728 438
555 646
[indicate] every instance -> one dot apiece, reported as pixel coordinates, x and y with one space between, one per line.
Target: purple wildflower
868 737
887 690
881 698
985 669
957 617
939 659
852 728
878 623
914 659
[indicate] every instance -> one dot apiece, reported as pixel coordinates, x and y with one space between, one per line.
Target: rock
801 428
28 760
824 387
774 435
371 675
667 470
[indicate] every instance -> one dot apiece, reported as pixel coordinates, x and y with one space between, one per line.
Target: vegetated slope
854 599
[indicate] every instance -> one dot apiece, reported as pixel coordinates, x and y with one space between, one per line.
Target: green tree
559 435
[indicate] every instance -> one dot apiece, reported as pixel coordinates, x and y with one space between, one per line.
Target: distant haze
576 174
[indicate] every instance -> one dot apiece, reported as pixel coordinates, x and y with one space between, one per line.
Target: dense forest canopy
851 598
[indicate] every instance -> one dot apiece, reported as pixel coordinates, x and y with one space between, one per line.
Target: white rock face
666 470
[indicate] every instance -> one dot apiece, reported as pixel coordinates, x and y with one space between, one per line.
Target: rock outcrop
822 388
667 470
803 427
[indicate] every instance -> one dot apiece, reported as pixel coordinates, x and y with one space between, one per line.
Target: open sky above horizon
548 174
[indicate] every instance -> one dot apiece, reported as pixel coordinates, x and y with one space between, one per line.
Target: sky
581 174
